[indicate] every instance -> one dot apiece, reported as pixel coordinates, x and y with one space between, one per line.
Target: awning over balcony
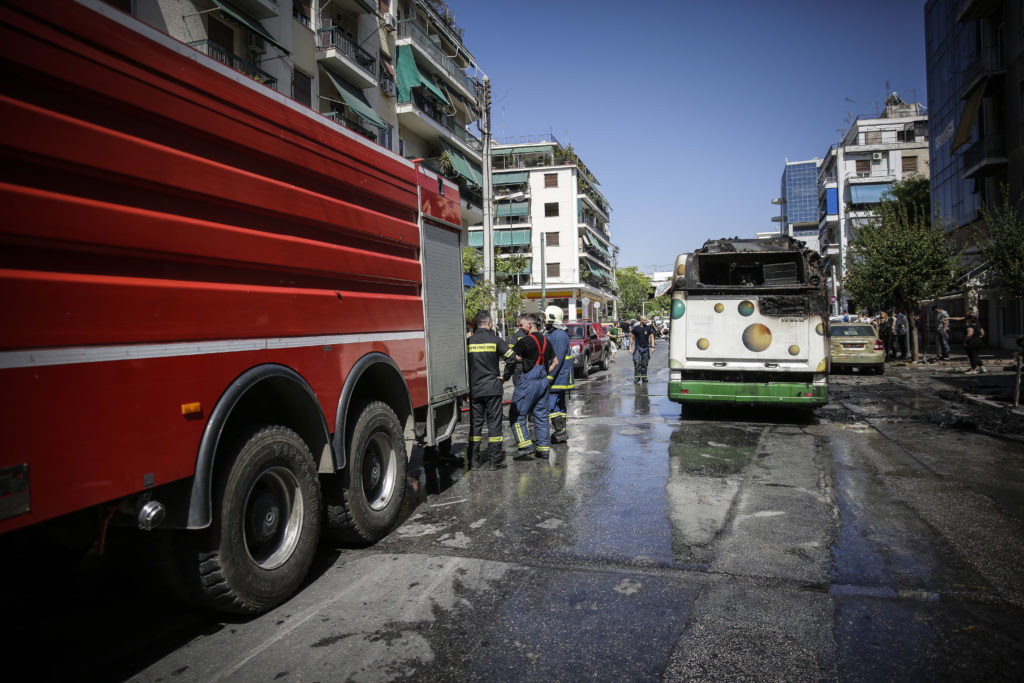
409 76
868 194
463 167
355 101
515 237
536 149
248 22
517 178
967 118
503 208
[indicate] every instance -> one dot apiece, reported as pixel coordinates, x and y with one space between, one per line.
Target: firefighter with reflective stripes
561 380
531 394
486 349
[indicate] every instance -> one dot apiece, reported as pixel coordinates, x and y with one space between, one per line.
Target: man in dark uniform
530 396
485 390
561 379
643 343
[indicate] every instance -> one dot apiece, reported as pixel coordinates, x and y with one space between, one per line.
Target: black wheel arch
264 394
374 377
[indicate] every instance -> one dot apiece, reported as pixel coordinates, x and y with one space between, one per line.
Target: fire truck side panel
170 226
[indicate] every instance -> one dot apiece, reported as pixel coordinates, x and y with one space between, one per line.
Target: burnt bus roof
735 244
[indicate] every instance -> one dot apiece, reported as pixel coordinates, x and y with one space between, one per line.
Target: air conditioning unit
390 21
255 44
876 156
388 87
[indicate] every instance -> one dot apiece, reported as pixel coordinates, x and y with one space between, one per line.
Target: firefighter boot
559 434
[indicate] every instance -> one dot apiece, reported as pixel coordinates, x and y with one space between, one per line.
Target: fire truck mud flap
266 525
363 502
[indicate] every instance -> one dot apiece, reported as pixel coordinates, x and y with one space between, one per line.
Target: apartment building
854 174
798 202
393 71
975 62
548 208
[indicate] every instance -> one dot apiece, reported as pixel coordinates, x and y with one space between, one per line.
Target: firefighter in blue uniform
531 394
486 349
562 379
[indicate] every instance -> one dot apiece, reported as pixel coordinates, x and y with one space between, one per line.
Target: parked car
589 344
856 345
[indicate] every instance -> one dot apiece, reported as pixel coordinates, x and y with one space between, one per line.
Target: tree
1002 243
483 295
634 290
900 257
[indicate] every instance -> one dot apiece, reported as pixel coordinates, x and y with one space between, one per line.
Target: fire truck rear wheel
266 524
364 501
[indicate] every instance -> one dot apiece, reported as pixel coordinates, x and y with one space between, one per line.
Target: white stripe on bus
102 354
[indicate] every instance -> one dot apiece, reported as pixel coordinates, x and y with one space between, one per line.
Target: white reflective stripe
103 354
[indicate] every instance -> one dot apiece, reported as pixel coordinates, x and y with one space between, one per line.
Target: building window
873 137
302 88
910 164
550 209
550 180
863 168
554 270
551 239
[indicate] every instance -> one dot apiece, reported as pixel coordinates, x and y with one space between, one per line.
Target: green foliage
662 305
900 257
483 295
1002 242
634 290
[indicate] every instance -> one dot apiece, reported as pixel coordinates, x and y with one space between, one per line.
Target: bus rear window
749 270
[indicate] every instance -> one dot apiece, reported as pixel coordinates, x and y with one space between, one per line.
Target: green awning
503 208
409 76
517 178
355 101
463 166
248 22
515 237
505 151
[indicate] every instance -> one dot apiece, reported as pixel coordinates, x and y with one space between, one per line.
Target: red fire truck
225 318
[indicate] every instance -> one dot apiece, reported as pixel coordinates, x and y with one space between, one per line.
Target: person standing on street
486 349
900 331
625 327
942 329
561 379
517 372
972 343
642 340
530 396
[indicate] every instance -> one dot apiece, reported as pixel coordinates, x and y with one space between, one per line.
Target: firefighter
530 396
485 349
562 379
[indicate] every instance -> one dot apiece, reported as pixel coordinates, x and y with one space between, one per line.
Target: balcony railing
338 117
989 60
445 121
333 37
408 28
232 60
991 148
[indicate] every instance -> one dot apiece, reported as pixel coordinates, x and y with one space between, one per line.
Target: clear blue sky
686 111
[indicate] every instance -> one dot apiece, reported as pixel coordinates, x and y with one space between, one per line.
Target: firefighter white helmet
552 315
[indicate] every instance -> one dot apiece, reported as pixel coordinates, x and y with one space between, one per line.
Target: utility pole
485 128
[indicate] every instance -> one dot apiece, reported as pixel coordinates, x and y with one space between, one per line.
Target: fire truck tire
585 368
604 360
266 524
363 503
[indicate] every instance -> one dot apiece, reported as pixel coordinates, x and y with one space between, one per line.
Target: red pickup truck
589 343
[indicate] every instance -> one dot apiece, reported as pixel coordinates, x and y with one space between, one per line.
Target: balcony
339 117
409 29
347 59
426 119
988 62
232 60
985 157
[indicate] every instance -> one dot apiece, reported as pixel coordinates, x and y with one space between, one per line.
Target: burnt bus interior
750 269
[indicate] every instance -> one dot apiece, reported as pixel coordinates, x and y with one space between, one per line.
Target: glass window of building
550 180
302 88
909 164
550 209
554 270
551 239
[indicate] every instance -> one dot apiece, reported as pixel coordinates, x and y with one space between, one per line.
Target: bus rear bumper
773 393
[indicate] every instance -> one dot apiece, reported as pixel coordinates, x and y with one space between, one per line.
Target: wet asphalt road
863 541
